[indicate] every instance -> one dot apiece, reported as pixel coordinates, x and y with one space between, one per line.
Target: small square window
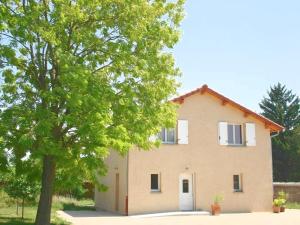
237 183
155 184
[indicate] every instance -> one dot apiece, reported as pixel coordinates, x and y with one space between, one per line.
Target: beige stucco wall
106 200
213 165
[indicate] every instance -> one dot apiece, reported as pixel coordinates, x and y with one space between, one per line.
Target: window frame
158 183
166 141
240 183
183 186
242 134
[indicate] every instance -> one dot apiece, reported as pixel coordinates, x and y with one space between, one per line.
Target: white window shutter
250 134
183 132
223 133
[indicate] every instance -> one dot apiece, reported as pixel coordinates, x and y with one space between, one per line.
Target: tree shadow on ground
14 221
18 221
74 207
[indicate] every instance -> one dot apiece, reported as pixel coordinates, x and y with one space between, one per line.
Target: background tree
283 107
81 77
21 188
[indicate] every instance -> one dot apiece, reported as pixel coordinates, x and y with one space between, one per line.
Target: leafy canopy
20 187
81 77
283 106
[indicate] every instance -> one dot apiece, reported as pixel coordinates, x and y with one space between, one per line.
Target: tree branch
104 66
14 38
10 9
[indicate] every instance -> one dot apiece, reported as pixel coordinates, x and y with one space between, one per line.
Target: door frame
190 205
117 191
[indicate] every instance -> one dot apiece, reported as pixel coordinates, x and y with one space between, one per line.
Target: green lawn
8 214
293 205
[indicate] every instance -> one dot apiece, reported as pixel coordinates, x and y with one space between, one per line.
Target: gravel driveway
290 217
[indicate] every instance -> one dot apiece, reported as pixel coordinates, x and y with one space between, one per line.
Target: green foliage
283 195
281 199
77 192
82 77
21 187
8 211
218 198
65 203
283 106
279 202
293 205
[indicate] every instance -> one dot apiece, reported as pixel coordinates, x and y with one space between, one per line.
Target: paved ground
290 217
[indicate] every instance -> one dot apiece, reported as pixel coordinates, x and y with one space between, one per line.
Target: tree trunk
43 215
17 207
23 208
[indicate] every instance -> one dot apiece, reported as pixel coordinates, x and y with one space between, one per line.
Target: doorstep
177 213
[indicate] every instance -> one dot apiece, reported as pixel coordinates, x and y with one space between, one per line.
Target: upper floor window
168 135
234 134
178 135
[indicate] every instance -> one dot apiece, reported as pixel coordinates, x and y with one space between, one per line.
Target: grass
293 205
8 214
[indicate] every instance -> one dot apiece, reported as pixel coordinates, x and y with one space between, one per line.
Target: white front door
185 192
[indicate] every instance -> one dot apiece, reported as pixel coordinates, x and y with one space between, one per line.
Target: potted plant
283 196
216 208
276 205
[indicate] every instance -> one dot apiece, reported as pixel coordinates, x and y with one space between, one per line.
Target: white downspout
275 135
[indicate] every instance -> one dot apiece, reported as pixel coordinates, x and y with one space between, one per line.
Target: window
234 134
237 183
185 186
168 135
155 182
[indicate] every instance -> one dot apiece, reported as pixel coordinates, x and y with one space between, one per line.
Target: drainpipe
127 185
275 135
194 190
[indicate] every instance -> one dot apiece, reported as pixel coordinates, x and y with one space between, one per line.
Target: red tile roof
274 127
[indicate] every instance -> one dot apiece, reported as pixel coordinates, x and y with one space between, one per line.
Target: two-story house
218 147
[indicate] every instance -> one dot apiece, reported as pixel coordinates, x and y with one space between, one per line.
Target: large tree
283 106
81 77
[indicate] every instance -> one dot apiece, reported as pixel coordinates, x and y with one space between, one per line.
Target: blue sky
240 47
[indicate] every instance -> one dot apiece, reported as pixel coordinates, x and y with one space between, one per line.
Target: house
218 147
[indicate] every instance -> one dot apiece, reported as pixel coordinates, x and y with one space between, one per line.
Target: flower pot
215 209
276 209
282 209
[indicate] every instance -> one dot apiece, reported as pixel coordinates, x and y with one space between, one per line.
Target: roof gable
274 127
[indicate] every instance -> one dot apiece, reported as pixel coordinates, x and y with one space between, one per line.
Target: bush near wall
90 190
85 191
292 188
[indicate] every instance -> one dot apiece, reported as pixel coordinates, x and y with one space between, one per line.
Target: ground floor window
155 182
237 183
